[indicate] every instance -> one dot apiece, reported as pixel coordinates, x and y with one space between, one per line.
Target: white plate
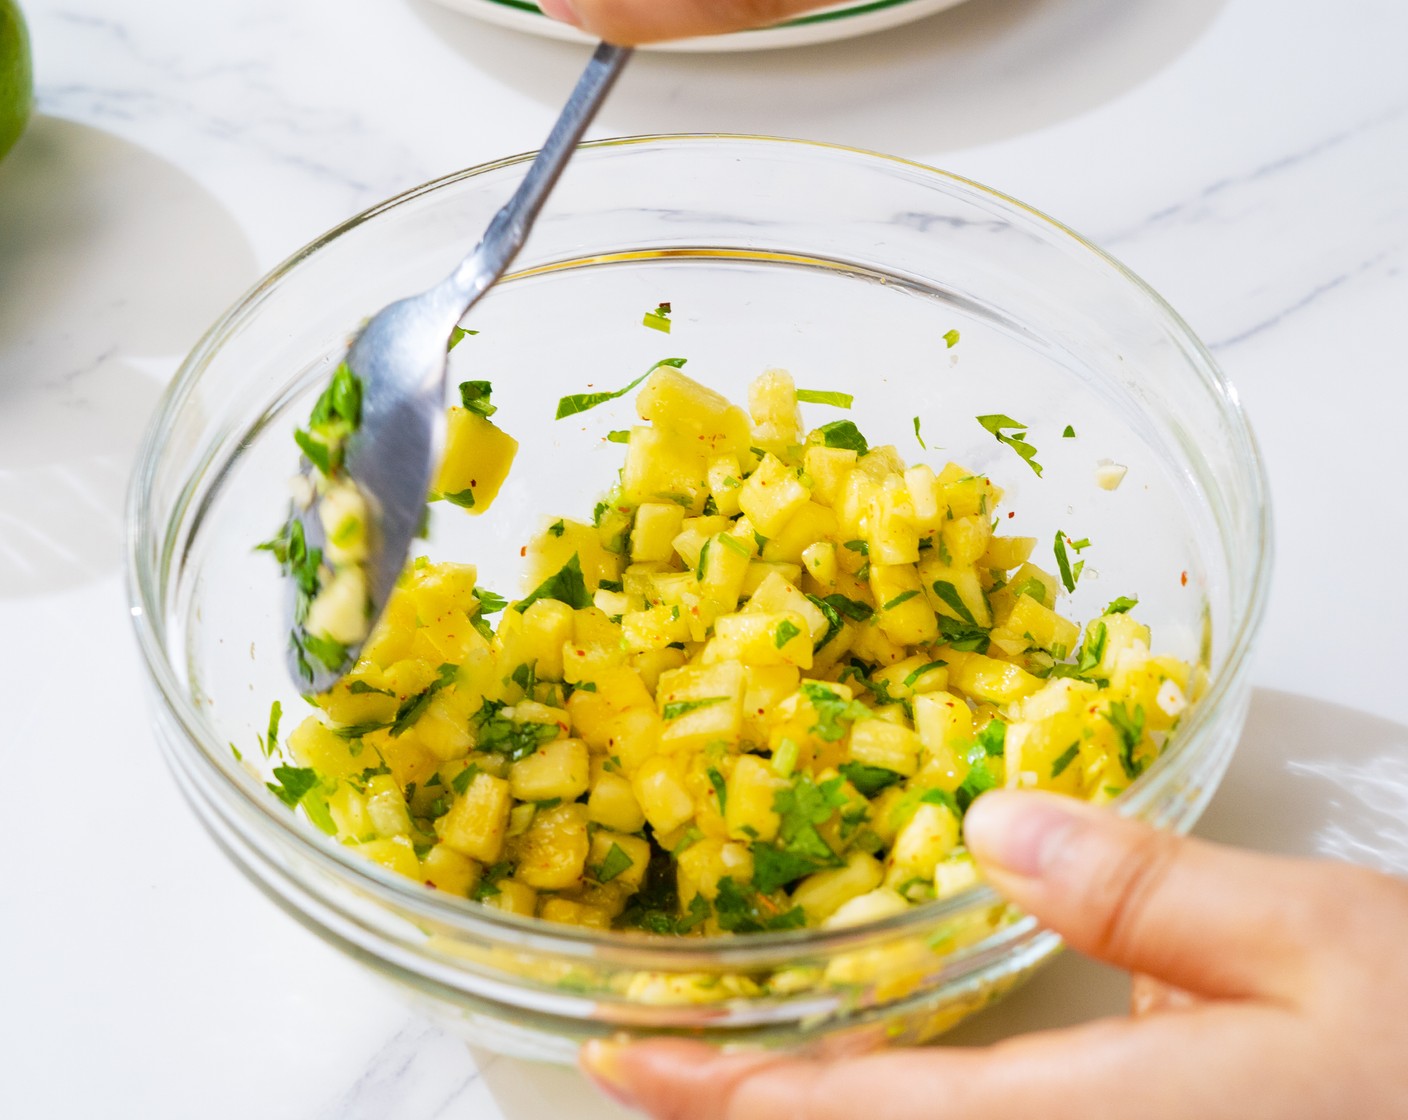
839 21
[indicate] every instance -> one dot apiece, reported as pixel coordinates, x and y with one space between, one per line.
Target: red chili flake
523 551
473 482
1183 579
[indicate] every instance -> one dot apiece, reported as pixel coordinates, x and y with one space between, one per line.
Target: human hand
629 22
1265 987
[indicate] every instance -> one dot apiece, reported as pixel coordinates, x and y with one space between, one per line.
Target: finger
646 21
1148 996
1197 916
1201 1064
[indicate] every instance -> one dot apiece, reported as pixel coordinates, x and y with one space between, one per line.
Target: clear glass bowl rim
146 588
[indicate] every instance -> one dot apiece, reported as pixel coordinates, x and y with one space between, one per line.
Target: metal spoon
400 358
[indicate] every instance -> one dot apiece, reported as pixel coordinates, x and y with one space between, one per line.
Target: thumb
1207 919
646 21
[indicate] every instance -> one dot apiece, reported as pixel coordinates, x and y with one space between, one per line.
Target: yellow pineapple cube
514 897
756 638
662 467
477 821
930 835
478 455
551 550
656 526
699 704
953 591
810 524
700 867
878 742
1006 553
627 868
613 804
552 854
986 679
748 812
827 467
772 495
890 527
694 415
902 611
824 892
966 539
395 853
772 400
560 769
314 745
447 870
725 478
663 793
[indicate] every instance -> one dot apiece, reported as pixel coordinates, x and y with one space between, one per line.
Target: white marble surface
1248 157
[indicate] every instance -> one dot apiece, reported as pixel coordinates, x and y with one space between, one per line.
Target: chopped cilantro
271 736
461 781
833 620
292 783
869 780
911 679
1064 759
821 396
618 435
677 708
581 402
917 436
557 528
502 735
720 788
567 585
784 633
1069 433
853 609
979 780
993 738
462 498
474 395
1131 732
488 885
659 319
1092 651
739 909
961 636
1033 588
1122 605
938 796
1063 562
949 594
951 338
902 597
412 707
614 864
844 434
830 710
997 422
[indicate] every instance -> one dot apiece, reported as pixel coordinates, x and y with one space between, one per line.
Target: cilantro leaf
853 609
292 783
951 338
950 596
833 620
614 864
784 633
581 402
677 708
831 709
271 736
1063 562
502 735
1122 605
911 678
993 738
457 335
1131 732
844 434
917 436
997 423
1064 759
869 780
720 787
412 707
902 597
567 585
1069 433
474 395
821 396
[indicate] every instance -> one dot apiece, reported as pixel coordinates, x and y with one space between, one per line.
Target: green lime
16 76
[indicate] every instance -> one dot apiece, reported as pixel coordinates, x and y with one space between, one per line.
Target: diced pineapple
825 892
776 594
661 467
771 496
514 897
779 638
386 807
927 511
478 455
395 853
314 745
945 727
477 821
903 612
954 591
811 523
873 906
689 542
749 812
920 673
662 793
656 526
700 704
447 870
1006 553
877 742
626 869
724 477
890 527
560 769
701 865
655 628
929 835
820 561
694 415
572 913
772 400
613 804
551 550
988 679
552 854
827 467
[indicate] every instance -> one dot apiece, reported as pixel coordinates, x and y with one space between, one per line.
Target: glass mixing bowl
848 269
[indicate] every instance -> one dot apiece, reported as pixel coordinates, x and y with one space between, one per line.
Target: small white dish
838 21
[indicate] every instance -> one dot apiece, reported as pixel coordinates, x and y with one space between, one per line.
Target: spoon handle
509 229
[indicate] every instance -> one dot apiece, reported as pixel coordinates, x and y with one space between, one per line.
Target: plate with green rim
837 21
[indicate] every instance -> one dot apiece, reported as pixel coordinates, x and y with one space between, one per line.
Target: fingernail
602 1062
1020 833
560 10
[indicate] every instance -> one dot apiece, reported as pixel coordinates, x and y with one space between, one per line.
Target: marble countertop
1249 158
